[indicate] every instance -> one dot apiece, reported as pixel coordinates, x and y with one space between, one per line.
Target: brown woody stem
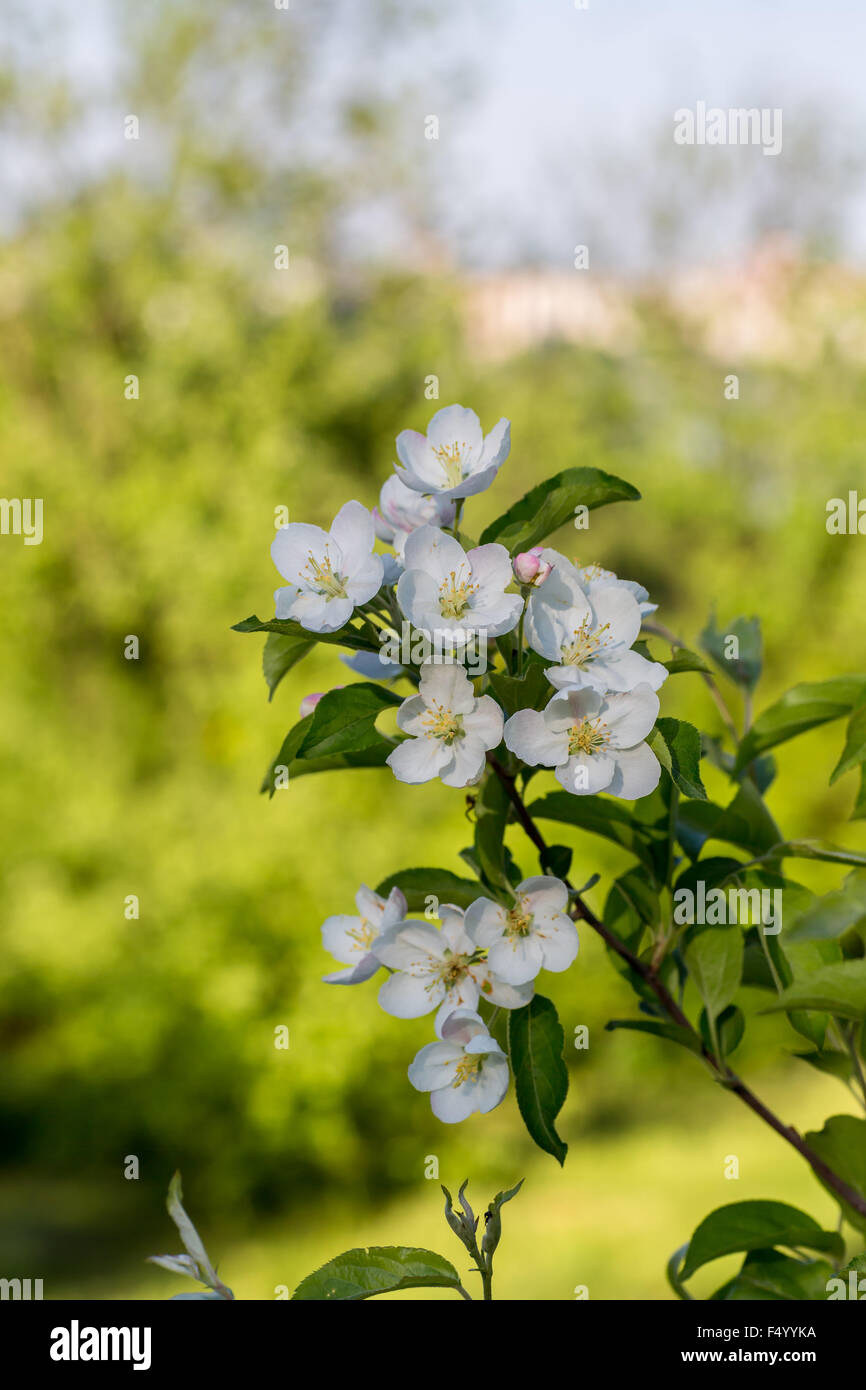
728 1078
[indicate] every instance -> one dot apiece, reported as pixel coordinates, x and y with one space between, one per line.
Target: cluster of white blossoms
488 952
580 622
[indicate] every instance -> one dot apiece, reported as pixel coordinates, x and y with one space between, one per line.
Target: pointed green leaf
359 1274
551 504
535 1044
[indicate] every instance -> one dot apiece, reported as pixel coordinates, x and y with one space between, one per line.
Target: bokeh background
260 388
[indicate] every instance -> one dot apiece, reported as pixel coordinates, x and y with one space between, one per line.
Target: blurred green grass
155 1037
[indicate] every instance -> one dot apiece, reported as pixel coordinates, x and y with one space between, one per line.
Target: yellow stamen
585 644
468 1066
519 917
450 457
455 596
588 737
322 578
365 935
442 723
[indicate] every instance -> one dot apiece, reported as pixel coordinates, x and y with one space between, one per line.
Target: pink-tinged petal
409 996
417 759
435 1066
559 943
630 717
637 773
515 959
461 1025
527 736
584 776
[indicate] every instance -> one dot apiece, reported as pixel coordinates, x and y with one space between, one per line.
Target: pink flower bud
530 568
309 702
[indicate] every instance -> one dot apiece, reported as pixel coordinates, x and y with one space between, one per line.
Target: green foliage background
155 1037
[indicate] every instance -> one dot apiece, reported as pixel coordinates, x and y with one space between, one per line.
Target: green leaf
551 504
491 815
831 1063
854 752
830 916
768 1275
376 755
842 1146
532 690
755 1225
344 637
802 708
420 884
684 660
838 989
610 819
535 1044
745 667
669 1032
360 1273
344 720
730 1027
340 733
714 959
677 745
280 654
556 860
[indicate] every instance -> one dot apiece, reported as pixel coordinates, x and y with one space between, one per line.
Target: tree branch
728 1078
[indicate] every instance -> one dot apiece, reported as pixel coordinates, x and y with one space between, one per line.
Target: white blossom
594 742
439 968
588 632
450 594
350 939
464 1072
402 510
450 729
453 459
329 572
535 933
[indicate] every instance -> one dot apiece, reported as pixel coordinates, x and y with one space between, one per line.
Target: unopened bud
309 702
529 567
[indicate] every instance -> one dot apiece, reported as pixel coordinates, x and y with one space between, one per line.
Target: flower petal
637 773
